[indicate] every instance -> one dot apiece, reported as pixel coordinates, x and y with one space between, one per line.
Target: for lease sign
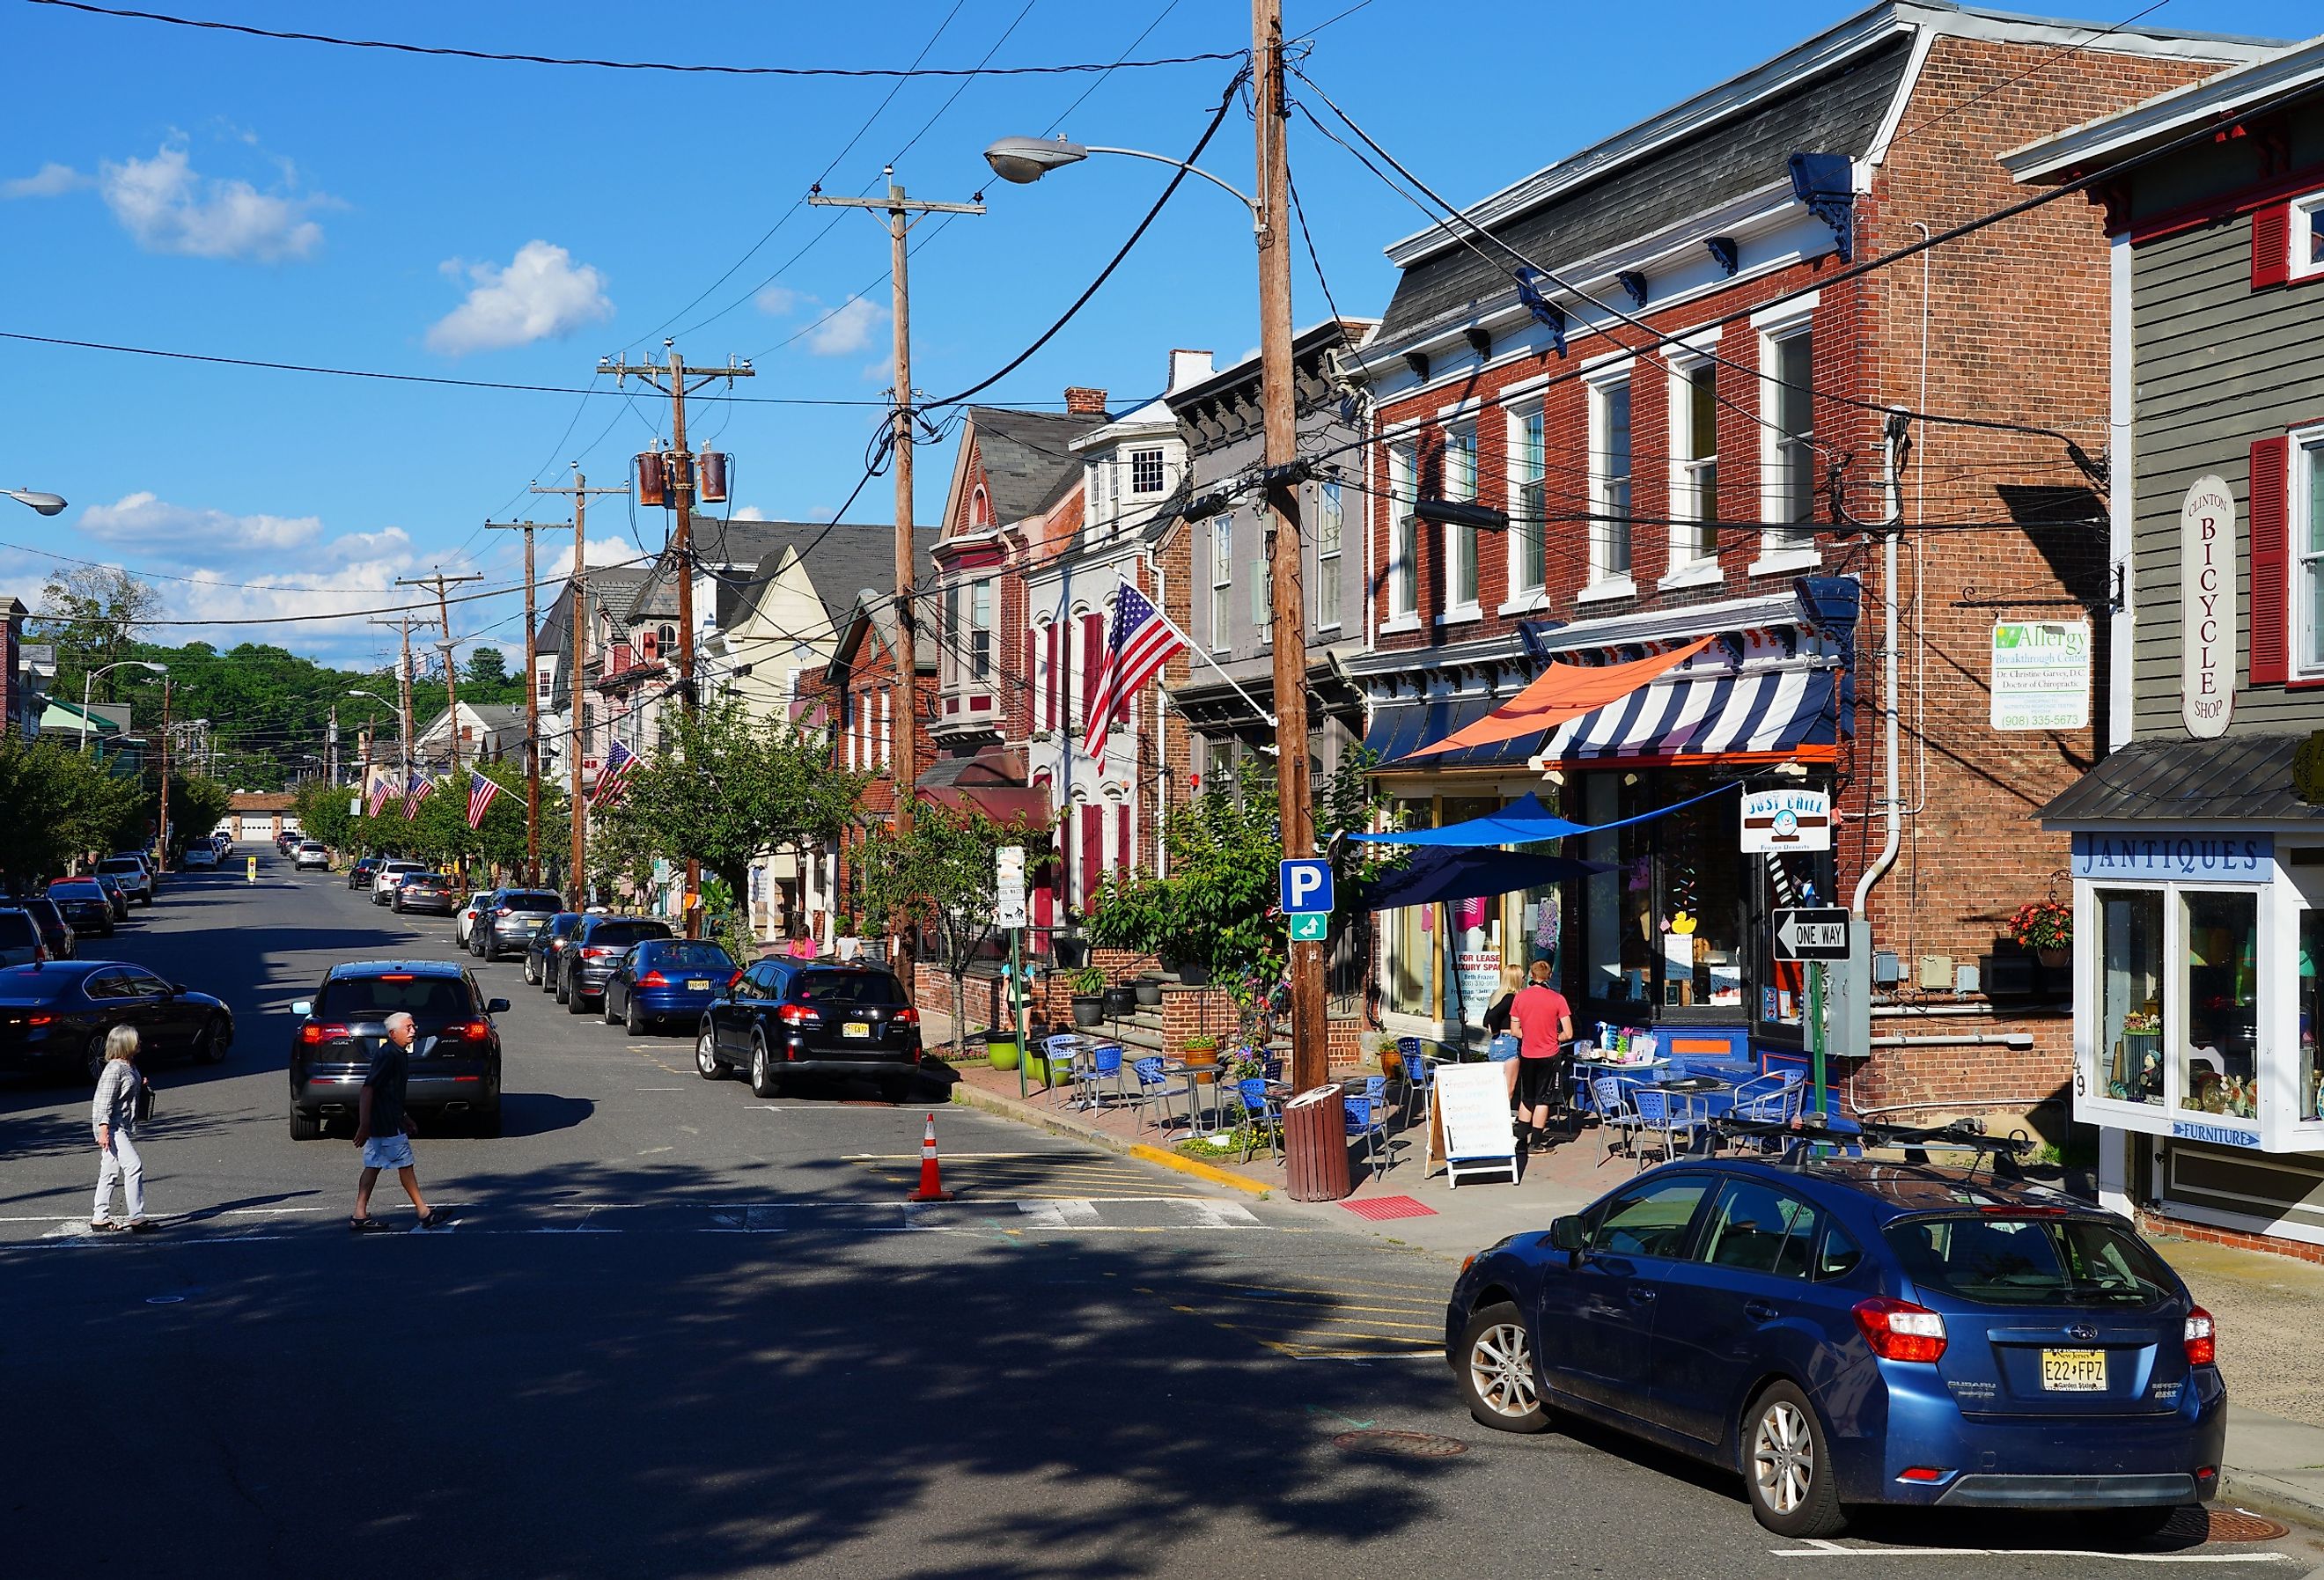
2207 607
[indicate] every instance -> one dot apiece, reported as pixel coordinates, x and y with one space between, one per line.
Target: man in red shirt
1544 1024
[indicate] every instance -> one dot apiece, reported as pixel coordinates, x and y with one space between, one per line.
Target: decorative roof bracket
1826 184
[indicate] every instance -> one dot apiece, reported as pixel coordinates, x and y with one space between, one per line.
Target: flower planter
1192 973
2054 960
1121 1000
1001 1052
1149 990
1089 1009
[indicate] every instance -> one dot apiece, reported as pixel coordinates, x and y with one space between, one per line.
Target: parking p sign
1307 886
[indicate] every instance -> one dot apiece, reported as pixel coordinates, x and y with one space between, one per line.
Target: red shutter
2272 244
1049 721
2271 549
1124 856
1092 655
1093 854
1012 692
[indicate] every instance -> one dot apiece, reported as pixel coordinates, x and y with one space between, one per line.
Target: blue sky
206 192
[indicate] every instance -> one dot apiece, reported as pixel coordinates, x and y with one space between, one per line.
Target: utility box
1848 996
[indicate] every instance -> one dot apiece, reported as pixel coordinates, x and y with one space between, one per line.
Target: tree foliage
938 879
55 805
438 833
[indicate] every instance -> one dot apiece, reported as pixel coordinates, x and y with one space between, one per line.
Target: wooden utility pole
679 476
438 583
531 698
404 696
330 752
1310 1062
162 834
902 214
578 621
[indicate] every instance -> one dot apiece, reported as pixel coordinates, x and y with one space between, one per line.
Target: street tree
940 878
91 615
55 805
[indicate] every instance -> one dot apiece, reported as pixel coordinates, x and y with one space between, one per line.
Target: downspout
1892 437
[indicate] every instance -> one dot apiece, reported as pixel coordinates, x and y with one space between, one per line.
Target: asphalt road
678 1332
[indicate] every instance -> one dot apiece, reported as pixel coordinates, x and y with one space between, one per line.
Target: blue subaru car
1844 1332
666 979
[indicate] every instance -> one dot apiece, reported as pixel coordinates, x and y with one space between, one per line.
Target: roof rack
1802 1135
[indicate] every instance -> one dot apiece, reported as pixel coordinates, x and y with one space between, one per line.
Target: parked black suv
547 944
508 919
597 947
785 1018
456 1058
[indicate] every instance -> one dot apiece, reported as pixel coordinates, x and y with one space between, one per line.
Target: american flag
613 777
416 791
1143 641
382 787
481 792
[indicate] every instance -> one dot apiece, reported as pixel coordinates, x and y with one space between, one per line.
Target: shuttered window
2270 257
1092 657
2271 533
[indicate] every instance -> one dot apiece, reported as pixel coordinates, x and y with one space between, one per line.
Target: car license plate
697 983
2073 1370
856 1028
532 924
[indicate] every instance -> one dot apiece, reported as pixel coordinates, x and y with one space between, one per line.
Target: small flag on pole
415 792
481 792
382 787
1143 641
614 777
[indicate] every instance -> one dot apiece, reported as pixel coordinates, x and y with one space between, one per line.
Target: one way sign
1818 933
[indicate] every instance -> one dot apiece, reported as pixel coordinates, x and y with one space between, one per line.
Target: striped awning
1787 712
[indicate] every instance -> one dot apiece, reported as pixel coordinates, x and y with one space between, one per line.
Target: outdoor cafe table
1586 1071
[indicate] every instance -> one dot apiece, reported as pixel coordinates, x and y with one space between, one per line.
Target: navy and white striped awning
1788 711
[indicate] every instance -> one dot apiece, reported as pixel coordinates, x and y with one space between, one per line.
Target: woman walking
113 1113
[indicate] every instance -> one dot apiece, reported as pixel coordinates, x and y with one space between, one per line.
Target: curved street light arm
1258 218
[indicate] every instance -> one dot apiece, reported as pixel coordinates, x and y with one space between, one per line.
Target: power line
688 69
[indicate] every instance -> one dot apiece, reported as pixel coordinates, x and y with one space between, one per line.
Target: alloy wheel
1500 1368
705 1062
1783 1456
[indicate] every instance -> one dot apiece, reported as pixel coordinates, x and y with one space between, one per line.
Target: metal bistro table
1586 1071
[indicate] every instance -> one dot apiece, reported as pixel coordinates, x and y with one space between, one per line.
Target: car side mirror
302 1006
496 1006
1565 1235
178 990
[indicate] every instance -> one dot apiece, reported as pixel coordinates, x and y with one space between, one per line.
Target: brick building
858 697
1683 417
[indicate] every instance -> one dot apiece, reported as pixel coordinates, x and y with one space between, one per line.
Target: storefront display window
2130 995
1616 919
2310 1097
1412 965
2221 1068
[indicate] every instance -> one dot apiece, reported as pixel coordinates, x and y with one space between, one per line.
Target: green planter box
1001 1053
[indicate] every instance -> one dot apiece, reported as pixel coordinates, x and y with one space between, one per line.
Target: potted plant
1121 999
1148 990
1001 1048
1089 996
1201 1052
2046 926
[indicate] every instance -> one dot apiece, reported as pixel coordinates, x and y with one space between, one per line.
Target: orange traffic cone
931 1172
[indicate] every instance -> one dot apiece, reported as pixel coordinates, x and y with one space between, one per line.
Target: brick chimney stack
1084 402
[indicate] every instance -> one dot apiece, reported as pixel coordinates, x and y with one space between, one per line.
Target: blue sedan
1843 1332
666 979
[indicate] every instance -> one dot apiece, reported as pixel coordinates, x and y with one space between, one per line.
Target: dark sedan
56 932
115 895
55 1015
666 979
785 1018
547 944
85 909
360 874
598 944
428 891
456 1057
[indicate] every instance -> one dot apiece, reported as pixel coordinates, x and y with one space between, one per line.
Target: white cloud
749 513
143 520
774 300
169 207
848 329
607 548
51 180
542 294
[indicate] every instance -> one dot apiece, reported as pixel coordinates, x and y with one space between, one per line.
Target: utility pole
162 834
330 751
575 741
403 695
679 477
438 583
531 698
902 214
1310 1064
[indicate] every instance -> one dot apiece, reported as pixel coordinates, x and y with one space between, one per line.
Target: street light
89 679
1026 159
402 741
48 504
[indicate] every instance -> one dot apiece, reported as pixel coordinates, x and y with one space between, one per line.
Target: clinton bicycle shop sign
2207 607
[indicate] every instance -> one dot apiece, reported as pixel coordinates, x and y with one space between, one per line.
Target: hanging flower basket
2046 926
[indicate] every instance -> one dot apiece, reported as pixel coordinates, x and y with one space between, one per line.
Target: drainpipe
1891 441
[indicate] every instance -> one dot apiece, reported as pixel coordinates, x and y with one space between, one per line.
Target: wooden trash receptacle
1315 1145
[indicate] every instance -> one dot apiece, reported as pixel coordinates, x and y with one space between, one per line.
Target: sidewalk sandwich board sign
1469 1128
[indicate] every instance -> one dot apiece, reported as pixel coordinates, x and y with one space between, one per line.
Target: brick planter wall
2152 1221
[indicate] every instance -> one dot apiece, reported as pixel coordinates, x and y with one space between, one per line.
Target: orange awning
1562 692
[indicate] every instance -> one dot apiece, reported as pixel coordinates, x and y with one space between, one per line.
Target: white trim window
1403 535
979 628
1221 579
887 729
1787 447
1528 500
1145 470
2308 551
1330 529
1610 477
1460 542
2307 216
1694 460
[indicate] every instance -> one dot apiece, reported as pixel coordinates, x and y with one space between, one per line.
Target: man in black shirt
383 1130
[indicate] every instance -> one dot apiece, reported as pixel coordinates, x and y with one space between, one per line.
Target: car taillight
310 1034
906 1017
798 1015
471 1031
653 979
38 1019
2202 1338
599 951
730 981
1898 1330
500 910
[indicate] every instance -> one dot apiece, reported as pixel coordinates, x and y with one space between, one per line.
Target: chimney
1081 401
1188 367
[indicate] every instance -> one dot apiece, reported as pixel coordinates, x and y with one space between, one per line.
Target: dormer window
1145 470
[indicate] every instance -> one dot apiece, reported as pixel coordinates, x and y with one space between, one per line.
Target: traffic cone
931 1172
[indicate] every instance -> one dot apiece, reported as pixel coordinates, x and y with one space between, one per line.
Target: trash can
1315 1145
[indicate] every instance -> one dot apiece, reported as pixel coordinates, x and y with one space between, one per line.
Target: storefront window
2219 1074
1666 930
2130 995
2310 1097
1412 969
1616 921
1698 883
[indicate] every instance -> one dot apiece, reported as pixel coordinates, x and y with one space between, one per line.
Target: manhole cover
2195 1525
1401 1445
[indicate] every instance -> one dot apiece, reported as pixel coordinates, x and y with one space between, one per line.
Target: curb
2263 1494
969 1096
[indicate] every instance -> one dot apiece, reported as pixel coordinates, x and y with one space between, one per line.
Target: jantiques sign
2207 607
2186 858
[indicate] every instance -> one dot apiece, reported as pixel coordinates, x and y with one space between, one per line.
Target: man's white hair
402 1015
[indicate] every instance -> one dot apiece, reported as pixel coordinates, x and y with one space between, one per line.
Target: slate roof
841 565
1837 112
1028 465
2240 777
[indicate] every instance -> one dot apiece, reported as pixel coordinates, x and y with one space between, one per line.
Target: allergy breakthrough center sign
2041 675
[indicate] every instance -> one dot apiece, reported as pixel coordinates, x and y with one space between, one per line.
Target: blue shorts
388 1151
1504 1046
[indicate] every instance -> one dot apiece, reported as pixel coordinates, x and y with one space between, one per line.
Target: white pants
120 1161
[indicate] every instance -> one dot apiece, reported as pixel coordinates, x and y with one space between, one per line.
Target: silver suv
129 872
311 853
507 918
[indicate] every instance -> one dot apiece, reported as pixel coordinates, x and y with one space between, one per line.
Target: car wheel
763 1070
562 988
531 972
706 1056
488 1123
1498 1377
305 1126
210 1046
632 1022
605 1008
1788 1470
95 1058
575 1002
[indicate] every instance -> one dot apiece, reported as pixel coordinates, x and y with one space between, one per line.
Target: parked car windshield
375 998
16 931
77 888
627 932
2001 1260
526 900
683 955
847 987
